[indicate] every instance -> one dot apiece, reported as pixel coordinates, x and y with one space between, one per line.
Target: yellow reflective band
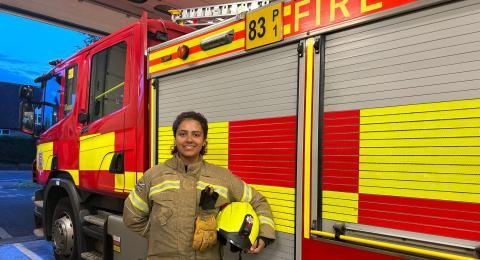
266 220
247 193
222 191
163 186
138 202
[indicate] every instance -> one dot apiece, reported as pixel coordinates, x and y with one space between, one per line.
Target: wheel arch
59 186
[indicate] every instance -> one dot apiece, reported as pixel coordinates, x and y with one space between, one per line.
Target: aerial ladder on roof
199 17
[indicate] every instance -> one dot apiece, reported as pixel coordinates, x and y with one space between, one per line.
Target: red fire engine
357 119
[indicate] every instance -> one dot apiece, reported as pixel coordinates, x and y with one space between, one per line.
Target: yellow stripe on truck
44 156
282 203
96 151
200 55
341 206
217 148
426 151
165 143
74 175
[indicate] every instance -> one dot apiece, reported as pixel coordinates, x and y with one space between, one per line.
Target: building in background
10 108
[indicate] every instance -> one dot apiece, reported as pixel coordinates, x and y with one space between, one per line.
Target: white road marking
27 252
13 195
4 234
12 180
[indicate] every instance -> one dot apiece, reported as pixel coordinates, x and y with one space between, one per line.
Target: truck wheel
63 231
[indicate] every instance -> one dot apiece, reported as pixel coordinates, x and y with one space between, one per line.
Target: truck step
91 255
98 220
94 232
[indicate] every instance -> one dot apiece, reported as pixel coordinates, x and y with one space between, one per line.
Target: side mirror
27 117
83 117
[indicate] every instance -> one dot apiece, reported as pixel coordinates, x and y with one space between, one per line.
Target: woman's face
189 140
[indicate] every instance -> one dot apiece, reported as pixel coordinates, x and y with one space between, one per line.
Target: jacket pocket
163 207
163 238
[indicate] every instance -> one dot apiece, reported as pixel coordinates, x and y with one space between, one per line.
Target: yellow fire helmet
238 224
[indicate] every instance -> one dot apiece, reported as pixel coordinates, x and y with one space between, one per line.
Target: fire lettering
306 15
367 8
299 15
342 5
318 11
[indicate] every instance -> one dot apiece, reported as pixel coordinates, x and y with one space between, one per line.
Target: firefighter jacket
165 202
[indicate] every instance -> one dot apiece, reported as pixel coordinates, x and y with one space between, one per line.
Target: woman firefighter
175 204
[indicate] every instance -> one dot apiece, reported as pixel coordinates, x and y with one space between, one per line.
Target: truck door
102 138
69 128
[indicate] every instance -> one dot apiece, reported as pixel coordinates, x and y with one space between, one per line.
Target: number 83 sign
264 26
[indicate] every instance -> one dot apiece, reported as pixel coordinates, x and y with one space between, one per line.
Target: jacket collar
177 164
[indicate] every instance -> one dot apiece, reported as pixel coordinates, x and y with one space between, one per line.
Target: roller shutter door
250 103
401 133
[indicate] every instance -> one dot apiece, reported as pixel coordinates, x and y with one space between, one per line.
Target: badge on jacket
139 186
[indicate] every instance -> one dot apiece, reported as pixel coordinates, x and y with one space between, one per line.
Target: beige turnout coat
164 204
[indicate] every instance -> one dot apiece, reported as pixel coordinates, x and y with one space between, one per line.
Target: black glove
208 198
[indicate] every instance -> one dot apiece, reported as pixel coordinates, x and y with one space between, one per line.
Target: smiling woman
30 45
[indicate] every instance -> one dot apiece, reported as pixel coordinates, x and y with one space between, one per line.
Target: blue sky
26 47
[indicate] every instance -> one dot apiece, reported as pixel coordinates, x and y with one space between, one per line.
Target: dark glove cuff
266 240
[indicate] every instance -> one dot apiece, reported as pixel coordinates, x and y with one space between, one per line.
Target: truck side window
70 89
52 101
107 80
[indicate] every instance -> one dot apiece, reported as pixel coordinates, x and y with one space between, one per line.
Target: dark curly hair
195 116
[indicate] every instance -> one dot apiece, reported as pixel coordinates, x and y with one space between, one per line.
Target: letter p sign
275 14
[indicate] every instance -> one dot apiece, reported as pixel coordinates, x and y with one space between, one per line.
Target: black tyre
65 244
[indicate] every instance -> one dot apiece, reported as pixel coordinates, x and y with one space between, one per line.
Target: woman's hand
257 247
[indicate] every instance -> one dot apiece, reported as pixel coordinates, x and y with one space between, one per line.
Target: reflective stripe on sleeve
221 190
247 192
266 220
138 203
165 185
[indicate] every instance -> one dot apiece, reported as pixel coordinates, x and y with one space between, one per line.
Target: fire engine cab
358 120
